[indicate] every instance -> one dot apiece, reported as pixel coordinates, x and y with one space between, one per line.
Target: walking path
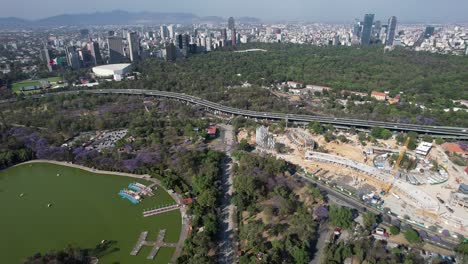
139 243
161 210
183 210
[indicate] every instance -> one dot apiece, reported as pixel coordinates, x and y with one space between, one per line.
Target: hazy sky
310 10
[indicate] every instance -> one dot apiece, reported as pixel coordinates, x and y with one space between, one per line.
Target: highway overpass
446 132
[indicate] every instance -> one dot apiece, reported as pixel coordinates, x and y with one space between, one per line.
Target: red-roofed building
454 148
211 131
379 96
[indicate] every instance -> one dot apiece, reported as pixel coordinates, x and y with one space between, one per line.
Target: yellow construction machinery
397 166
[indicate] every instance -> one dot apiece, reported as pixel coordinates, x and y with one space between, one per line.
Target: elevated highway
445 132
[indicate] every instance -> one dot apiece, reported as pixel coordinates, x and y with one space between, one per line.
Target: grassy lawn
18 85
85 210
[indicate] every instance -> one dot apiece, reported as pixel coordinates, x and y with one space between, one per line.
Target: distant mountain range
117 17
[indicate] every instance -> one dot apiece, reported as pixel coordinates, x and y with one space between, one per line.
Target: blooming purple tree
423 234
130 165
436 238
445 232
321 212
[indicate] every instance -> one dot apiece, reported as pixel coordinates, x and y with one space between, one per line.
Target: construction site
421 185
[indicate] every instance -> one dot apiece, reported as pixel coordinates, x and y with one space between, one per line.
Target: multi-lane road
446 132
448 242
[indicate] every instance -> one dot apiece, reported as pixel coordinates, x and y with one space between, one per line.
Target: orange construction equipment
397 165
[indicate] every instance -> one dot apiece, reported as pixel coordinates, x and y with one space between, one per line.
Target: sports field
17 86
86 209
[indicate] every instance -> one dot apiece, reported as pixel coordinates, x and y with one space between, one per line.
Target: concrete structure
117 71
263 138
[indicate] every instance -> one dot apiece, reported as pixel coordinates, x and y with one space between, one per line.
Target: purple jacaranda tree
445 232
423 234
321 212
130 165
51 153
436 238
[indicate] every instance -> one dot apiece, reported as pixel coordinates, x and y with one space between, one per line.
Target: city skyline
315 11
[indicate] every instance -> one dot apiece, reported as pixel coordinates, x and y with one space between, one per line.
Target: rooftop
113 67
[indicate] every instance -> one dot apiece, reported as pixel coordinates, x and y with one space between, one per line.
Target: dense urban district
208 173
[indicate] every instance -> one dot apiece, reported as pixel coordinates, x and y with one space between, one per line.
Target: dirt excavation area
425 204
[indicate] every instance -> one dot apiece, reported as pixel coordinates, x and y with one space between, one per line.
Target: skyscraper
392 21
233 37
164 32
185 42
170 52
231 24
95 52
133 46
73 58
180 45
357 28
170 29
376 30
429 31
84 33
116 49
367 29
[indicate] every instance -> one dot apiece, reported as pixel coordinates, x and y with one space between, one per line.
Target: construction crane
397 165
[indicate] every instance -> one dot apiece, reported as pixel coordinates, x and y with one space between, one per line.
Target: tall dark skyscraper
231 24
224 36
185 42
357 28
179 41
233 37
392 22
133 46
111 33
170 52
429 31
367 29
84 33
116 49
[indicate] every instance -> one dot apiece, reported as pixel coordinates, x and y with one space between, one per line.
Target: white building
115 71
423 148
